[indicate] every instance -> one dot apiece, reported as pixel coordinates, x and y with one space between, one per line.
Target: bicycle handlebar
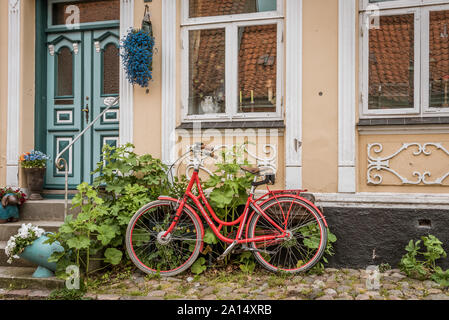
207 150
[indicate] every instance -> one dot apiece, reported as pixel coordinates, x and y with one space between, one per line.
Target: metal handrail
61 163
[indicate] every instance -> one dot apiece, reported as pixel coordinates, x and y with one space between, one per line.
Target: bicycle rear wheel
150 252
306 242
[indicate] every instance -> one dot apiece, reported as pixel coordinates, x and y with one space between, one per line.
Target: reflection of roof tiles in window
391 58
257 60
439 50
207 56
257 52
205 8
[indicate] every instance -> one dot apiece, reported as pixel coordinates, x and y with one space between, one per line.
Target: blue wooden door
82 71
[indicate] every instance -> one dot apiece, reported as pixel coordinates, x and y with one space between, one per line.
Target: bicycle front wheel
152 253
306 241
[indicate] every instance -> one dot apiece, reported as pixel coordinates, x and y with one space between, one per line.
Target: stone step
50 210
9 229
21 278
15 263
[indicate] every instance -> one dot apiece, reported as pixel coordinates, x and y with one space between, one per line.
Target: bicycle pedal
227 251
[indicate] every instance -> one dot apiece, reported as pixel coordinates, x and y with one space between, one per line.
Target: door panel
64 70
82 70
106 84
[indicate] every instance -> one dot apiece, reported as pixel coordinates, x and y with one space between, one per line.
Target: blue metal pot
38 253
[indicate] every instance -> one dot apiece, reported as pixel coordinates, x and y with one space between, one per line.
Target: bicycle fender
194 214
299 198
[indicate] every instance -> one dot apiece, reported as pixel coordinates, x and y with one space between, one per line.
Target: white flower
26 231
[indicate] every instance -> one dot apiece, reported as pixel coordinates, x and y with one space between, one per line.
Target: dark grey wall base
371 236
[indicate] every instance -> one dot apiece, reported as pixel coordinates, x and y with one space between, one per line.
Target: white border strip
126 114
293 92
169 27
13 125
384 200
346 96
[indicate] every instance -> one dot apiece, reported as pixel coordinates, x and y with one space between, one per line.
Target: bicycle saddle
252 170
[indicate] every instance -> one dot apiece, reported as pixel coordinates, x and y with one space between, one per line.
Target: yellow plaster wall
405 163
320 113
27 92
147 107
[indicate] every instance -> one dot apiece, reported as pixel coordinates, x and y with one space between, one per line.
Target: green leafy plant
422 264
87 237
121 167
247 263
441 277
228 187
383 267
67 294
311 233
199 266
125 182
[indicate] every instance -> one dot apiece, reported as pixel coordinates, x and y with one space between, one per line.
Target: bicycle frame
251 203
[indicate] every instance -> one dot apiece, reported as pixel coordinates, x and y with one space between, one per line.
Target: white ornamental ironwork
231 152
383 164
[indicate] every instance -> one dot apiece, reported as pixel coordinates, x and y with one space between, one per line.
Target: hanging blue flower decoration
137 56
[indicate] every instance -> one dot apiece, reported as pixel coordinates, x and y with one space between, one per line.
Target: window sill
402 121
430 125
277 124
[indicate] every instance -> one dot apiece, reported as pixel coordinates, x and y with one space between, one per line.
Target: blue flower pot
39 253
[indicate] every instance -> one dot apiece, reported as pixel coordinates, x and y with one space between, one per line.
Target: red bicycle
284 231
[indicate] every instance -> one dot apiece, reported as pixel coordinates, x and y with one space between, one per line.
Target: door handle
297 144
86 110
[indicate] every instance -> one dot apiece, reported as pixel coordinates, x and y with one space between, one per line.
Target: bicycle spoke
165 255
303 241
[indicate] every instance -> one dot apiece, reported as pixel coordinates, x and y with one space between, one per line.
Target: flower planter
9 212
35 180
38 253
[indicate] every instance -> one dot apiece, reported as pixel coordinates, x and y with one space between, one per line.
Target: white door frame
169 94
346 96
126 126
13 125
293 95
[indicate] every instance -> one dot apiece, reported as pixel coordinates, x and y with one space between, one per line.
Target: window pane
257 68
391 63
207 71
111 69
64 85
89 11
205 8
439 59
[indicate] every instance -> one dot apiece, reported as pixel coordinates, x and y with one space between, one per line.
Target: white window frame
186 21
425 26
421 78
365 66
365 4
231 23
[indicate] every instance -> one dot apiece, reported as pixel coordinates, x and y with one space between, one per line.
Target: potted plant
11 199
29 244
34 164
137 57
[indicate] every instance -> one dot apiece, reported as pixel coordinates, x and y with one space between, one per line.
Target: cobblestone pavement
342 284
